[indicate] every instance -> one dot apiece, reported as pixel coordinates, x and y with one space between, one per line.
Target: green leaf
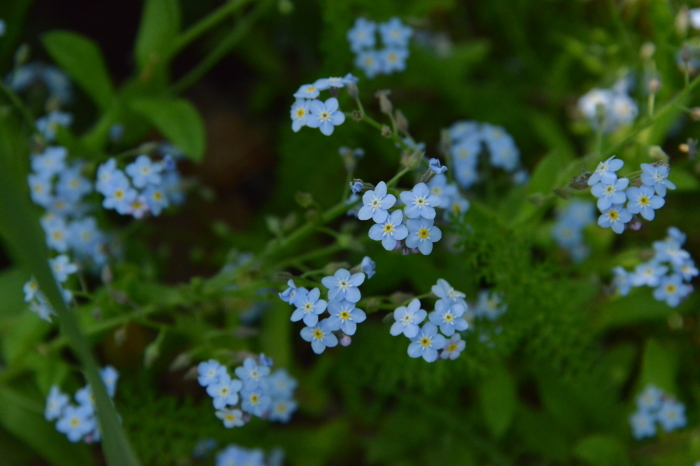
602 450
683 179
659 367
639 306
498 400
23 417
178 120
550 172
160 25
82 59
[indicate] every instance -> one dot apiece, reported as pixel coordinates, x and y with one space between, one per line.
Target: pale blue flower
448 317
422 234
453 347
62 267
31 288
72 186
615 217
650 399
672 290
109 376
671 415
420 202
368 266
605 171
444 190
579 213
281 384
458 205
255 401
436 166
307 91
345 316
343 285
251 374
687 270
426 343
299 113
51 162
445 291
48 125
648 274
395 33
677 235
466 175
210 372
362 35
76 422
231 417
466 151
376 202
325 115
155 199
281 410
105 173
289 294
610 191
308 307
55 402
144 172
391 231
642 425
643 201
656 177
356 187
370 62
224 391
622 281
567 235
40 187
408 318
320 336
392 59
57 234
327 83
503 152
670 251
489 305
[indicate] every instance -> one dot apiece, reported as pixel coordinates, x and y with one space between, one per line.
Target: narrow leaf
498 400
160 24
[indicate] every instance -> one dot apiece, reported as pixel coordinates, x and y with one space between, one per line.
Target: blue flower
210 372
62 267
55 403
376 202
642 425
224 391
649 274
578 213
299 113
40 187
57 234
307 91
231 417
325 115
489 305
391 231
290 293
49 124
255 401
466 151
605 171
610 191
105 173
650 399
51 162
444 290
370 62
426 343
144 172
466 175
444 190
656 177
502 149
408 318
85 239
265 360
76 422
251 374
420 202
671 415
281 384
309 307
155 199
687 270
672 290
615 217
643 201
119 194
109 376
31 288
392 59
368 266
422 234
677 235
448 317
327 83
356 187
362 35
458 205
453 347
670 251
395 33
345 316
320 336
350 79
622 281
342 285
435 166
71 185
282 410
567 235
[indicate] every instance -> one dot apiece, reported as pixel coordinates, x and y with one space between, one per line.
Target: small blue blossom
422 234
672 290
453 347
579 213
489 305
343 285
281 384
395 33
567 235
320 336
362 35
325 115
391 231
105 173
392 59
224 391
48 125
656 177
300 114
265 360
458 205
155 200
466 175
345 316
368 266
670 251
445 291
677 235
31 288
71 185
76 422
444 190
615 217
309 307
448 317
642 425
350 79
57 234
610 191
426 343
210 372
231 417
356 187
255 401
687 270
622 281
436 166
650 399
51 162
62 267
119 194
648 274
55 403
503 152
144 172
420 202
370 62
643 201
289 294
40 187
109 376
282 410
466 151
671 415
307 91
376 202
252 374
605 171
408 318
327 83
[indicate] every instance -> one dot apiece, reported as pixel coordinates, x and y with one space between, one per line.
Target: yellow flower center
157 195
425 341
318 334
671 288
118 194
643 200
254 398
613 215
423 233
388 228
344 315
75 422
301 112
452 347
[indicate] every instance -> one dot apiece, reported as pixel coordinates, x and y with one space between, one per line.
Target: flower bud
384 103
345 340
356 115
401 122
386 131
353 91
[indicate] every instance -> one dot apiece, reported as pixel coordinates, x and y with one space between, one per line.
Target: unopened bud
401 122
180 362
353 91
386 131
372 304
634 224
148 147
656 152
384 102
345 340
654 85
647 51
399 297
695 113
304 199
356 115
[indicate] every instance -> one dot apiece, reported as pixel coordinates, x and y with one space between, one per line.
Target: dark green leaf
160 24
498 400
602 450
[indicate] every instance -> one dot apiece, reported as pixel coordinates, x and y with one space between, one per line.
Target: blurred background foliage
555 386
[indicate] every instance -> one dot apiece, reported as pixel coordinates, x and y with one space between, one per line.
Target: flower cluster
308 110
654 405
568 229
48 125
448 317
669 272
261 393
451 199
410 225
234 455
149 187
608 109
612 193
392 58
54 79
79 422
343 295
466 138
489 305
61 268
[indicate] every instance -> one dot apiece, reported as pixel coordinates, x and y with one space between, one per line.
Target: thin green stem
21 108
328 250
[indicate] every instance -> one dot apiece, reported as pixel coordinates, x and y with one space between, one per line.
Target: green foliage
160 24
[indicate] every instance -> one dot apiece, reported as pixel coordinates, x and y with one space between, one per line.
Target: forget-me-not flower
345 316
610 191
362 35
376 202
255 401
649 274
453 347
325 115
393 59
368 266
408 318
61 266
671 289
671 415
370 62
320 336
55 402
307 91
309 307
251 374
391 231
422 234
395 33
76 422
343 285
643 201
231 417
426 343
143 171
622 281
420 202
605 171
224 391
615 217
299 113
448 317
642 425
656 177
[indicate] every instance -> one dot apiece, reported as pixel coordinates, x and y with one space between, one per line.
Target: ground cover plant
305 232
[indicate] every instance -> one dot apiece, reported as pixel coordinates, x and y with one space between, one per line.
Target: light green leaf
602 450
659 367
82 59
160 24
178 120
683 179
498 400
